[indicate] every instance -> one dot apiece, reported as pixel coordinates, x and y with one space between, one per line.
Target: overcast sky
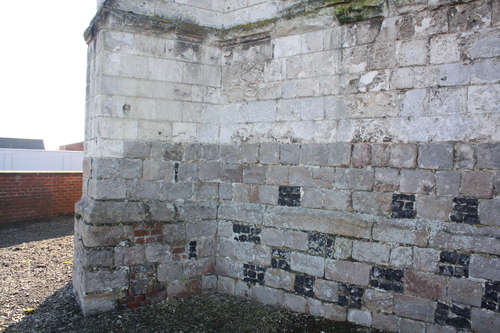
43 68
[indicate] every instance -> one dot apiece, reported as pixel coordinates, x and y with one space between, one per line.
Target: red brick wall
32 195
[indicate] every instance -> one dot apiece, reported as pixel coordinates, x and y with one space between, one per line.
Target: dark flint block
343 289
309 281
440 320
386 286
446 270
394 275
409 206
398 214
343 301
397 205
378 272
461 272
461 311
399 288
458 322
410 214
284 265
274 263
493 286
357 291
448 257
463 259
406 197
469 219
457 217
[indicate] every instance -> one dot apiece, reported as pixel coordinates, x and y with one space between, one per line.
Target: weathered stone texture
292 159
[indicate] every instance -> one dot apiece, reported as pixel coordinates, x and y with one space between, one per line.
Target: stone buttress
337 158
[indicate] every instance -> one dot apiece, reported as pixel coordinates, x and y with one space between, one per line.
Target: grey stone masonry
336 158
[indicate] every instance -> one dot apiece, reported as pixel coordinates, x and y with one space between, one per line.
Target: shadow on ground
210 313
35 230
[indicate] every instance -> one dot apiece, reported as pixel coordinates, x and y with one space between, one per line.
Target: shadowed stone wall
337 159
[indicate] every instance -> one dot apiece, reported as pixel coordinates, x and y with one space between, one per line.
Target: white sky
42 69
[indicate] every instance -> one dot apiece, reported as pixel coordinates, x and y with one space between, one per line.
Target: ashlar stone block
269 153
104 280
334 312
437 156
413 52
378 203
378 300
371 252
403 155
489 212
339 154
337 199
414 307
326 290
416 181
386 180
290 154
355 179
464 156
359 317
310 265
314 154
484 267
484 320
402 257
348 272
488 155
477 184
425 285
465 291
385 322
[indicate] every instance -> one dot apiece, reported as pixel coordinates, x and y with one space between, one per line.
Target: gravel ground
36 295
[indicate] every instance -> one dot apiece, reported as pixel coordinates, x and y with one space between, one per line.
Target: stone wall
340 160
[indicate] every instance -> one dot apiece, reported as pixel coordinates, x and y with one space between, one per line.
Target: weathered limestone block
435 156
489 211
403 156
414 307
277 278
385 322
484 267
465 291
354 179
420 182
330 222
310 265
477 184
349 272
295 303
425 285
377 253
401 231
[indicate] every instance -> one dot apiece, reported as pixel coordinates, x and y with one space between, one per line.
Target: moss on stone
247 26
359 10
